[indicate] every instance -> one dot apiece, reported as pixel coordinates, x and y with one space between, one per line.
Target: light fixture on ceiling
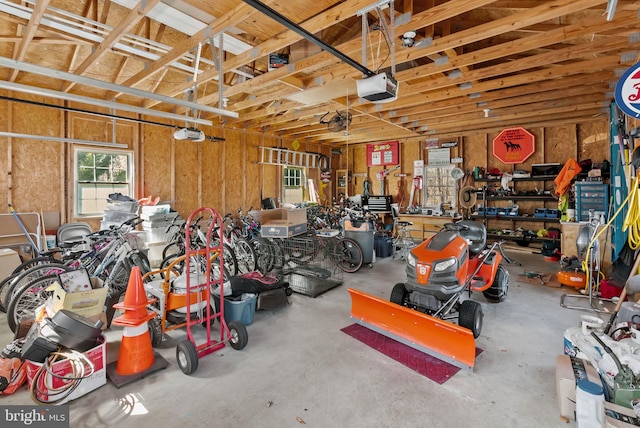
408 39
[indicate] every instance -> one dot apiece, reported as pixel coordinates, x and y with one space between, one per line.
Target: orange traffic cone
136 358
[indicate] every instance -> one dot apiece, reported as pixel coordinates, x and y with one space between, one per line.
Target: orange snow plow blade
434 336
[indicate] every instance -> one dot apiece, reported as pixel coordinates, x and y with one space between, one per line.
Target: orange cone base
119 380
136 353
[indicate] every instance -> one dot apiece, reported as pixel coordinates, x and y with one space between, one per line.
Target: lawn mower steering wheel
454 227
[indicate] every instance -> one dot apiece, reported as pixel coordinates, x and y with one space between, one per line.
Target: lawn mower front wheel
470 317
399 294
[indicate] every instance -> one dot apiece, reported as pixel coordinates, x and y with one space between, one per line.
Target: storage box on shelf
591 196
529 194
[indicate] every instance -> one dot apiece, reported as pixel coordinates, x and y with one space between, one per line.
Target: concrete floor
298 364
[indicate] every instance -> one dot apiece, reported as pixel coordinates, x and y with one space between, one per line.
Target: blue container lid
590 387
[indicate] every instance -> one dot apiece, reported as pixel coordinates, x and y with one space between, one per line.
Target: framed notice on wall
381 154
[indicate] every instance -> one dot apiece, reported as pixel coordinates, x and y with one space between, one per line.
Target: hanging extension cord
632 220
585 263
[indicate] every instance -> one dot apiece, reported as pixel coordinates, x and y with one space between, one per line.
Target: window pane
440 187
98 175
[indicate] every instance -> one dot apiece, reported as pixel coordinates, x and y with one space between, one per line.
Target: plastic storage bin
238 310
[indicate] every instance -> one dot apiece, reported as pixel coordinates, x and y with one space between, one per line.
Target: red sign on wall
381 154
514 145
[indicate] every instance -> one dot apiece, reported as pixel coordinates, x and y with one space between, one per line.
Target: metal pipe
63 140
307 35
89 81
94 101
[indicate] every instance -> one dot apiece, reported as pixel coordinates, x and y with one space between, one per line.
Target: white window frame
440 188
294 182
76 182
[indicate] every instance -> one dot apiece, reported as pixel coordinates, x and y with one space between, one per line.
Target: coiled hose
633 191
632 220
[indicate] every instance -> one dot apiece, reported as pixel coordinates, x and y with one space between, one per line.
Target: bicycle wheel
245 255
178 268
28 276
277 250
230 262
171 249
142 261
118 276
264 256
36 261
27 299
302 250
4 287
348 255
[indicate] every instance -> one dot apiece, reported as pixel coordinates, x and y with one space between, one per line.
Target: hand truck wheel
187 357
238 336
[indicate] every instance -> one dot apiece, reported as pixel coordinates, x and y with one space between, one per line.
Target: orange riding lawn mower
442 274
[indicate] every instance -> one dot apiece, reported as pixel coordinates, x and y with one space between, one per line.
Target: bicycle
112 264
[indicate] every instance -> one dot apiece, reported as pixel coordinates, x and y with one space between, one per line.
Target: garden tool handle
623 296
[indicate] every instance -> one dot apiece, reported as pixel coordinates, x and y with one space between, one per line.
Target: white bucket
589 405
51 241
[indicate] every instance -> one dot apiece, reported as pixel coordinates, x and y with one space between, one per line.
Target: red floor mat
431 367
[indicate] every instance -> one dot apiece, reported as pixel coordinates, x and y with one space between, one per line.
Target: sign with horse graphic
514 145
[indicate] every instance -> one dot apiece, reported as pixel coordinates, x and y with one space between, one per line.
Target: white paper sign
418 168
439 156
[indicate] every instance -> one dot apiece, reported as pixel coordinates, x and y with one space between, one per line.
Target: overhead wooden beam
38 11
132 18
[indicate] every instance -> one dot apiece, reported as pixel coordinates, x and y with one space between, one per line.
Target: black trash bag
619 271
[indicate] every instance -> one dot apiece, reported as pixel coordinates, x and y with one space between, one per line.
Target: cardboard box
620 417
568 371
98 357
283 223
282 230
9 260
87 303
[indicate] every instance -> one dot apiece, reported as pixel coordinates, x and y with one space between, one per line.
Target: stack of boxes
117 212
156 220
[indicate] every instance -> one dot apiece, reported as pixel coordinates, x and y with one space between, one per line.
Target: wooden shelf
493 180
520 198
516 218
520 238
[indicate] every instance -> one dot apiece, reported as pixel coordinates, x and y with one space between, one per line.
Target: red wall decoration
380 154
514 145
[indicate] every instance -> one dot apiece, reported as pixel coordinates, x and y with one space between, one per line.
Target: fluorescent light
83 80
102 103
64 140
611 9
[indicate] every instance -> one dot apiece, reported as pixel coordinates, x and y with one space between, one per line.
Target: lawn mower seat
476 233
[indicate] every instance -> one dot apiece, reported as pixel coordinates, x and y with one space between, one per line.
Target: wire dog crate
307 263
